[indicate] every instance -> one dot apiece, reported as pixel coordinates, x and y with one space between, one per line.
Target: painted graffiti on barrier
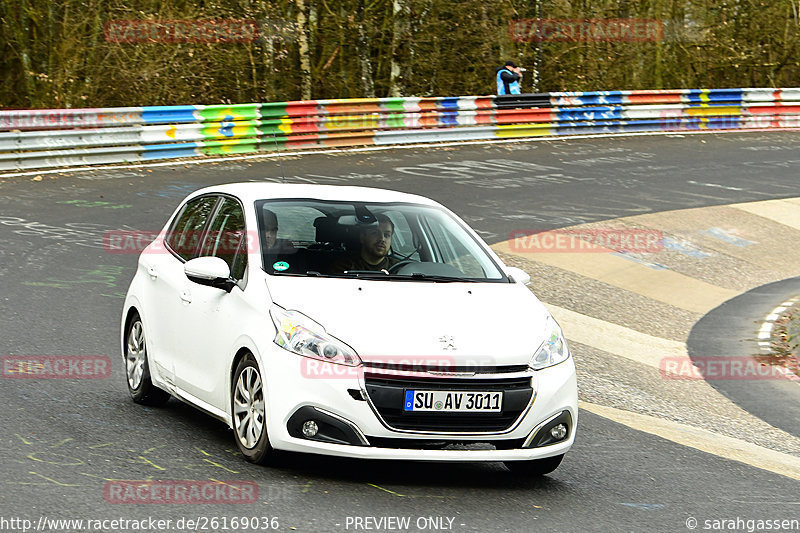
67 118
300 125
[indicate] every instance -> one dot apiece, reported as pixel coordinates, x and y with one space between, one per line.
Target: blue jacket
507 81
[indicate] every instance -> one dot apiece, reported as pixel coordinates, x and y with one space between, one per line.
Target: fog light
558 432
310 428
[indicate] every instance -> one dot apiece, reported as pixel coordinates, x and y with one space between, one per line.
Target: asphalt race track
652 453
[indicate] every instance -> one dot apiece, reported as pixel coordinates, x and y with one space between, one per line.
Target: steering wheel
397 266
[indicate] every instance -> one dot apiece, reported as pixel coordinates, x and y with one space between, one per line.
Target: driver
376 242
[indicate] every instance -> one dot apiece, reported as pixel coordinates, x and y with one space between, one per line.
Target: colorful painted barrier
67 137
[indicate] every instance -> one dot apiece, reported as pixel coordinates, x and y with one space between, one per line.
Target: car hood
485 324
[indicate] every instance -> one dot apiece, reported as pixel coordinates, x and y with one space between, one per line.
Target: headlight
554 348
301 335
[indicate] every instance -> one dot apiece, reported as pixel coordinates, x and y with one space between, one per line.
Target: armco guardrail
67 137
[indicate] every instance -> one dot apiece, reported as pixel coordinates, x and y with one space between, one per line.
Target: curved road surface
652 454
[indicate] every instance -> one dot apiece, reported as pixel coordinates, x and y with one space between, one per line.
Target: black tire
137 367
535 468
249 412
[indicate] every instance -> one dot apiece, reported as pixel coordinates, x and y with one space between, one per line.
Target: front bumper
294 386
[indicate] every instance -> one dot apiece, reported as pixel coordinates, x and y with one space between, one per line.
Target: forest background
83 53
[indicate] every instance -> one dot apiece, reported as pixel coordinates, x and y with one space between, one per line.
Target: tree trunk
268 57
400 48
367 83
305 59
537 59
22 31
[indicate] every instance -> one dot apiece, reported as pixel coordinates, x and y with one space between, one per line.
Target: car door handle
186 296
152 271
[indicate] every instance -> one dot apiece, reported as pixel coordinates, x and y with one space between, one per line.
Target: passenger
376 243
279 254
271 243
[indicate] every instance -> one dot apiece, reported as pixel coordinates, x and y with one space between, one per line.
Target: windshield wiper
433 277
416 276
378 274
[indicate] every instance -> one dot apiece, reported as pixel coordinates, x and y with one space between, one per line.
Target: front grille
415 444
387 394
403 367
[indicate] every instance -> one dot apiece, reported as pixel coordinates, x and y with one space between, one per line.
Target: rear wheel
137 367
535 468
249 412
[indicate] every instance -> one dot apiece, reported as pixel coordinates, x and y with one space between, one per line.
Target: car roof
248 192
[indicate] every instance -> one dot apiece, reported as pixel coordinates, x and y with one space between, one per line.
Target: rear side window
184 234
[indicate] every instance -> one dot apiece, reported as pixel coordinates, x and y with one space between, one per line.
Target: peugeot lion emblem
448 343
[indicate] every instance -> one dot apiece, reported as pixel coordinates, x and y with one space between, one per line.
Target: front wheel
137 367
535 468
250 412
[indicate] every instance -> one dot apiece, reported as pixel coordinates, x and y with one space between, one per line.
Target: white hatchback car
348 321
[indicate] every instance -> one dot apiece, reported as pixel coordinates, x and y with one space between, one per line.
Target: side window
184 234
453 251
226 237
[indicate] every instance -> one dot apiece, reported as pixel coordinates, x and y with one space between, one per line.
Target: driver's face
270 235
270 229
375 242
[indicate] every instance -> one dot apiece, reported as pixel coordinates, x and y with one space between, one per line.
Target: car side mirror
518 275
210 271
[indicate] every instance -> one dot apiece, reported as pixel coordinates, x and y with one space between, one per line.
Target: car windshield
385 241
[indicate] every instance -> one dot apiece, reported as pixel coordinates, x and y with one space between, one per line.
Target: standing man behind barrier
508 77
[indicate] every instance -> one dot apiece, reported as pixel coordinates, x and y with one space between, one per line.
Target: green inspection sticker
280 266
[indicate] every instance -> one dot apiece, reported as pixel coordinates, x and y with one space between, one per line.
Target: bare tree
367 82
305 59
400 48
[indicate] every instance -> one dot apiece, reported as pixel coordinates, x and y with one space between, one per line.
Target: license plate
448 401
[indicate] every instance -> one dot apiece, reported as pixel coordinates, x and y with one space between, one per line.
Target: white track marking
765 331
703 440
615 339
716 186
